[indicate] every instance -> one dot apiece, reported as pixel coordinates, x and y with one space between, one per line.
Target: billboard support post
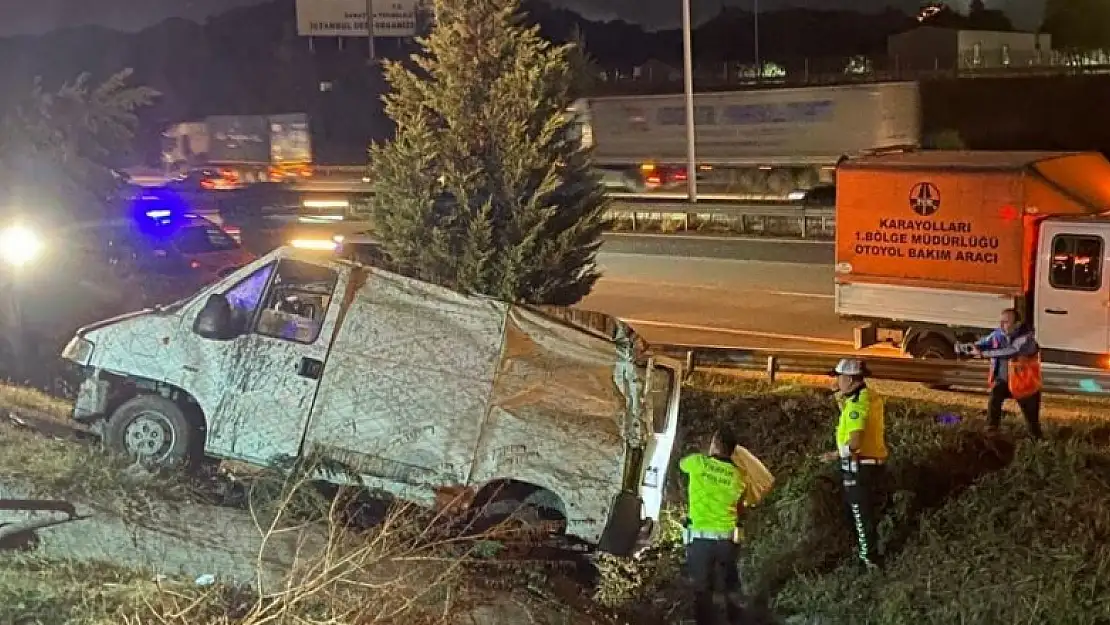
370 30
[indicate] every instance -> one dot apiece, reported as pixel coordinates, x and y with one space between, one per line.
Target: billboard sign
347 18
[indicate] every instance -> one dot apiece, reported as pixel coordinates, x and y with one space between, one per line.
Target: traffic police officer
862 452
711 535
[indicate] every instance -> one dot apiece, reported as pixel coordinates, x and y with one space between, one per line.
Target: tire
520 503
934 348
135 428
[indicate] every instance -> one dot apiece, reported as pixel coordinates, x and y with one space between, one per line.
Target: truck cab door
262 384
1072 302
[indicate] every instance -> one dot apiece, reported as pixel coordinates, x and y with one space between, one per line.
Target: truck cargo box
238 139
953 221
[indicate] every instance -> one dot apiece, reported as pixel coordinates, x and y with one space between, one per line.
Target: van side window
246 296
1076 262
297 301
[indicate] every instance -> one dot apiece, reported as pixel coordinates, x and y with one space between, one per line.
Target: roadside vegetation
978 529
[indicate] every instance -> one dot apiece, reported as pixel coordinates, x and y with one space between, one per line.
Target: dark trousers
1030 409
861 495
711 566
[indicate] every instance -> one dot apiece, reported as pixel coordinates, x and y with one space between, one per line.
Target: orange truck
931 246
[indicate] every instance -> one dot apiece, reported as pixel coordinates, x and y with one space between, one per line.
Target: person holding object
1015 371
861 450
716 490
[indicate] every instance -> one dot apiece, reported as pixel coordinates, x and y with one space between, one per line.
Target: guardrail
770 218
648 212
955 373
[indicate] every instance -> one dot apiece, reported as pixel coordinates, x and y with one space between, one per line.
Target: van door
264 381
1072 311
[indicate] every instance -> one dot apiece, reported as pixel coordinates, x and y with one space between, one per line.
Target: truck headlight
79 350
19 245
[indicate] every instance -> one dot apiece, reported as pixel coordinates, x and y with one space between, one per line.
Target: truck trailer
235 150
932 246
756 144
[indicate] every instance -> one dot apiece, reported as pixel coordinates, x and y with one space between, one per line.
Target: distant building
656 71
931 47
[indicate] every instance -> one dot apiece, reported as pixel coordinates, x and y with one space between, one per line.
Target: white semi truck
754 144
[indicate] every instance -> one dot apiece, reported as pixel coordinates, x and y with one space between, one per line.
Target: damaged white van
427 394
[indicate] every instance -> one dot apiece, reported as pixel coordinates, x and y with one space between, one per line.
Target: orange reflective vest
1023 375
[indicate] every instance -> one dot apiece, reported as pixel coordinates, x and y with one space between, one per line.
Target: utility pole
758 61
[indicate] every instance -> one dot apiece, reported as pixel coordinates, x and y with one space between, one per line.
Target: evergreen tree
65 142
484 187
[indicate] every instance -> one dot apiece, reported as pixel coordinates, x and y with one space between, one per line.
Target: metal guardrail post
805 222
772 367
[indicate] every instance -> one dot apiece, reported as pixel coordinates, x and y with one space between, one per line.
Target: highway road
742 292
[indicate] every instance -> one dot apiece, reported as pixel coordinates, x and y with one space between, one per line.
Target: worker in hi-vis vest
861 450
1015 371
716 491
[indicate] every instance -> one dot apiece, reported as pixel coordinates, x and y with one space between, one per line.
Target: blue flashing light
157 211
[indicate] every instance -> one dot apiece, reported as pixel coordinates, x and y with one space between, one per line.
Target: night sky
38 16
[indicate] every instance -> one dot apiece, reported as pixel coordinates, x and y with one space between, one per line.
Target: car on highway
820 196
152 242
162 242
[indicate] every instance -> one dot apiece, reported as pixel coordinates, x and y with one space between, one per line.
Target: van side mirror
215 320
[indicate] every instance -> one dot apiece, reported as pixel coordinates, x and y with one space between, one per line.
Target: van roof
956 159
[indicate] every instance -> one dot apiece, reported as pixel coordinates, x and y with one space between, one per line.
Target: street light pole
758 61
688 79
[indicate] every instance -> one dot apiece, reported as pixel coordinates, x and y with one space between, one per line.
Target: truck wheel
152 430
934 348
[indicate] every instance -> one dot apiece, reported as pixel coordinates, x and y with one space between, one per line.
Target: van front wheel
151 430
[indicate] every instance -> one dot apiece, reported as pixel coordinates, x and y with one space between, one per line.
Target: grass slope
978 529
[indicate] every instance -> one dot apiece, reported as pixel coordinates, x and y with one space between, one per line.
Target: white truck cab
425 394
1071 299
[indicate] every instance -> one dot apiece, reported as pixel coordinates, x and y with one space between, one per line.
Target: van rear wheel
516 505
151 430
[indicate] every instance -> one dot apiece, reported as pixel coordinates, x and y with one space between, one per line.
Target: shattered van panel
407 383
139 341
584 471
553 373
427 390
